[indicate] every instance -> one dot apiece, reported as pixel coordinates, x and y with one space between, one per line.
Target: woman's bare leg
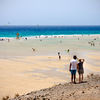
79 78
82 77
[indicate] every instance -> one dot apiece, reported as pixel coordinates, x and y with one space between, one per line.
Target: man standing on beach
73 68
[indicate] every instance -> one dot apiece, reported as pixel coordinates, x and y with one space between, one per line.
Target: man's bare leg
72 78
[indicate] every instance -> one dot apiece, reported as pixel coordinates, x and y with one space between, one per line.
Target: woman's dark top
80 64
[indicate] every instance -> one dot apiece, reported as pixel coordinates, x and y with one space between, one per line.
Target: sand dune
88 90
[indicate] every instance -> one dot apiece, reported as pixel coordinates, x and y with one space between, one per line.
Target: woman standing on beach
80 70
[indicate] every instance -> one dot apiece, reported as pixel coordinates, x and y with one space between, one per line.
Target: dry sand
23 70
88 90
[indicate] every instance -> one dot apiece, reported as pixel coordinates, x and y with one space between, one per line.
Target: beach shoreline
51 36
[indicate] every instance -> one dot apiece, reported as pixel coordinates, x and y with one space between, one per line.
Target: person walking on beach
59 55
33 49
73 68
80 69
17 36
68 51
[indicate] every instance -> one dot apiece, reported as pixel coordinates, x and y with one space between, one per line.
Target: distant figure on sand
73 68
33 49
80 69
25 38
8 40
40 40
68 51
59 55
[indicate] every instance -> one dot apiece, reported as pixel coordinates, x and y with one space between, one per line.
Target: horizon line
49 25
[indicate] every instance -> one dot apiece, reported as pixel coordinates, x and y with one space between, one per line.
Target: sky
49 12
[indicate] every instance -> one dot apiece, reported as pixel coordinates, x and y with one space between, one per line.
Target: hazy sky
50 12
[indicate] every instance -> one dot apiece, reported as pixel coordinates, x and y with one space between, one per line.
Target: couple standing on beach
76 65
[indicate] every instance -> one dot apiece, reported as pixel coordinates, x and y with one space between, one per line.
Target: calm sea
27 31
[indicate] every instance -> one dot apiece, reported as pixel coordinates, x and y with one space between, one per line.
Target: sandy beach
88 90
23 70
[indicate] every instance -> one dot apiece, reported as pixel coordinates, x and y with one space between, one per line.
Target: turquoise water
27 31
